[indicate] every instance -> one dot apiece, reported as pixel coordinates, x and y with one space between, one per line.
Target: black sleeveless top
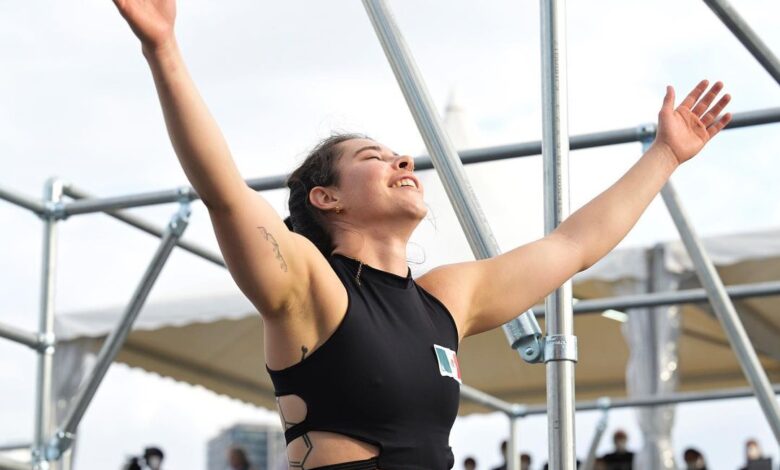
378 378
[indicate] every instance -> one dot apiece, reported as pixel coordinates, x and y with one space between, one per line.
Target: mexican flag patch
448 362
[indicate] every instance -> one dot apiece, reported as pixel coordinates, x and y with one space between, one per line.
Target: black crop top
379 378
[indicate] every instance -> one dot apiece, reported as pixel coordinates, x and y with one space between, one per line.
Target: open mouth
405 183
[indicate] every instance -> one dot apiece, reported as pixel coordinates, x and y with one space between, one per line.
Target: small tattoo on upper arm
304 350
267 235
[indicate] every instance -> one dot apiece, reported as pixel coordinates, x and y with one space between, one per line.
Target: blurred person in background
694 460
153 457
621 458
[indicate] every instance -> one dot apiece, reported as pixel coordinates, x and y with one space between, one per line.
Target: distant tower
264 446
455 122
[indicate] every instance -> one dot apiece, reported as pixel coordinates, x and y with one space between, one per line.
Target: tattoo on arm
270 238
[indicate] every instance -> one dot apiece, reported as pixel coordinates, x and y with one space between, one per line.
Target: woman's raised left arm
485 294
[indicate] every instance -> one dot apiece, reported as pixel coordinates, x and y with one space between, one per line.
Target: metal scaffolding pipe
443 154
446 161
656 299
489 401
559 317
489 154
601 426
741 29
724 308
655 400
150 228
64 436
44 378
85 206
512 448
20 199
10 464
20 336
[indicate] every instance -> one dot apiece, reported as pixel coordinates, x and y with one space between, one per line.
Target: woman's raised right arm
268 262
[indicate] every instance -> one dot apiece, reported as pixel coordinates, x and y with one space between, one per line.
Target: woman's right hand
151 20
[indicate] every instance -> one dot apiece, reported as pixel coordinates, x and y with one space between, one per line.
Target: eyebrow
371 147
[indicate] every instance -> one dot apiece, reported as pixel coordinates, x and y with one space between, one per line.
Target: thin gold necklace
359 270
357 276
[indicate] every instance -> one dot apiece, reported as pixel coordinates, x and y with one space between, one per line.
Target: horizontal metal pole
11 446
666 399
737 291
10 464
20 199
150 228
741 29
86 206
489 154
489 401
20 336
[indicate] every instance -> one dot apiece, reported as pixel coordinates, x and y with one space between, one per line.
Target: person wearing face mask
754 458
621 458
694 460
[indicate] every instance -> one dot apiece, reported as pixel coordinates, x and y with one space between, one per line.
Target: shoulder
453 285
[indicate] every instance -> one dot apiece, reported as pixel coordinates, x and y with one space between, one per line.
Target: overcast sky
77 101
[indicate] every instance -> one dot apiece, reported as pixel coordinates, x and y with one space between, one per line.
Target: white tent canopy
216 341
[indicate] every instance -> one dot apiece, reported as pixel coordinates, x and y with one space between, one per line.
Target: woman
362 356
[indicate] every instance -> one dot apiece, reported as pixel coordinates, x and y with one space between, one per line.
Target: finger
718 126
668 99
713 113
694 95
707 99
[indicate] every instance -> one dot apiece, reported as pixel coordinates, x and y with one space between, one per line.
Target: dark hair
691 454
152 451
318 169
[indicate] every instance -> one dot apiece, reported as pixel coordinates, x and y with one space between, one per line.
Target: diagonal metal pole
601 426
20 336
559 317
22 200
148 227
66 433
445 159
724 308
741 29
43 385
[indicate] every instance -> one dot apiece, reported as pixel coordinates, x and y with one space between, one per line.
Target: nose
405 162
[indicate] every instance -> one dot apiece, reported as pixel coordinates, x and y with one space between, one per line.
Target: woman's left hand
684 130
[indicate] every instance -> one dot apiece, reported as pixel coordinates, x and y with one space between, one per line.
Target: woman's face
377 185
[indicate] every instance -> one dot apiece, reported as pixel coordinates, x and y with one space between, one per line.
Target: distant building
263 443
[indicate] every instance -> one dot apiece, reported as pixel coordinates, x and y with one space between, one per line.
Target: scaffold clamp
560 348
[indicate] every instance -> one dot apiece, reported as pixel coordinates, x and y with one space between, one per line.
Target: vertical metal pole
43 390
558 306
445 160
513 448
740 28
725 311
